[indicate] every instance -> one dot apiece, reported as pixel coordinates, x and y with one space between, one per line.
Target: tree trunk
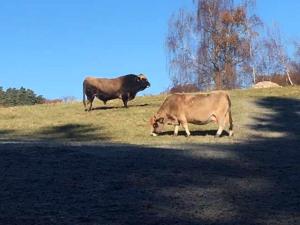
254 74
218 80
289 77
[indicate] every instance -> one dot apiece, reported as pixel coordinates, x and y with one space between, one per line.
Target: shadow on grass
71 132
195 133
6 131
285 116
59 133
117 107
255 182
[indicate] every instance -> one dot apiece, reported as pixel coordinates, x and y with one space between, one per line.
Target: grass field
62 165
113 123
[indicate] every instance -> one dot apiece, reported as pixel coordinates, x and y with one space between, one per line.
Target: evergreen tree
22 96
2 96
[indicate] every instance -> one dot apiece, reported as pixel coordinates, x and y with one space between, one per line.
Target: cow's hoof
153 134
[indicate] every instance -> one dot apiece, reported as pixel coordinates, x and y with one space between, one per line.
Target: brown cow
181 109
123 87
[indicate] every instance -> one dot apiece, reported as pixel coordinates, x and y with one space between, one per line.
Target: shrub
185 88
282 80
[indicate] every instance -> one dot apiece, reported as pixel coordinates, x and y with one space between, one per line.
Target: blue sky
51 45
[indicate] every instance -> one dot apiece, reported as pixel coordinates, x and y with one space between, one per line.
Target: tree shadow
254 182
117 107
58 133
6 131
285 116
71 132
94 184
275 161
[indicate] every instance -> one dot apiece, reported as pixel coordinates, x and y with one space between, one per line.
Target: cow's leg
86 105
221 123
176 130
125 100
219 132
229 120
186 128
90 103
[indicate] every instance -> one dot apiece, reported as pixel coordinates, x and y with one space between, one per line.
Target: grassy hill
74 175
115 124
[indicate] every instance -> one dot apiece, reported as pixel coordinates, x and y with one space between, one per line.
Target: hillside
62 165
253 112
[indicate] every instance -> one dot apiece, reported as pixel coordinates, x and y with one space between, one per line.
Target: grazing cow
181 109
124 87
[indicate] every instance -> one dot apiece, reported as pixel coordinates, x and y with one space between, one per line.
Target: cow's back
196 107
202 106
212 100
103 85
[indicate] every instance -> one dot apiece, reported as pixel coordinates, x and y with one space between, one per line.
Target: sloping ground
113 123
128 177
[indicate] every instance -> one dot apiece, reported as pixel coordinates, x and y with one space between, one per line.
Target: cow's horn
142 76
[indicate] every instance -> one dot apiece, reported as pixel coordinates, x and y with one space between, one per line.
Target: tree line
22 96
223 45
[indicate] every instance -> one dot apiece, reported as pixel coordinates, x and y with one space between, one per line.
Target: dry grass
113 123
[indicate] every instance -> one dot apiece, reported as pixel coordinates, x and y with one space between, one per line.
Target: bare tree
297 50
252 24
295 63
209 45
181 46
273 56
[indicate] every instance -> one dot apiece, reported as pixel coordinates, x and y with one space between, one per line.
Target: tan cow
202 108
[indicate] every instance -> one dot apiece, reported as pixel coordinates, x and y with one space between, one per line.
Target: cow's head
142 81
157 124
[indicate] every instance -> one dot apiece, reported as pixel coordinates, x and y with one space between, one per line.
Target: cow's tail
83 92
229 116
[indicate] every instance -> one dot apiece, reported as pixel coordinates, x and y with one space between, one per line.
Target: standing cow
123 87
181 109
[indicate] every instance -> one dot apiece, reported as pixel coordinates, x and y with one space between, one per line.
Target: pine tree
22 96
2 96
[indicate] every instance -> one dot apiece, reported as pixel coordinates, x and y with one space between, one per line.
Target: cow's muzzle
154 134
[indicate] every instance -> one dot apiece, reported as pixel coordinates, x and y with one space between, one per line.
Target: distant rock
265 84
